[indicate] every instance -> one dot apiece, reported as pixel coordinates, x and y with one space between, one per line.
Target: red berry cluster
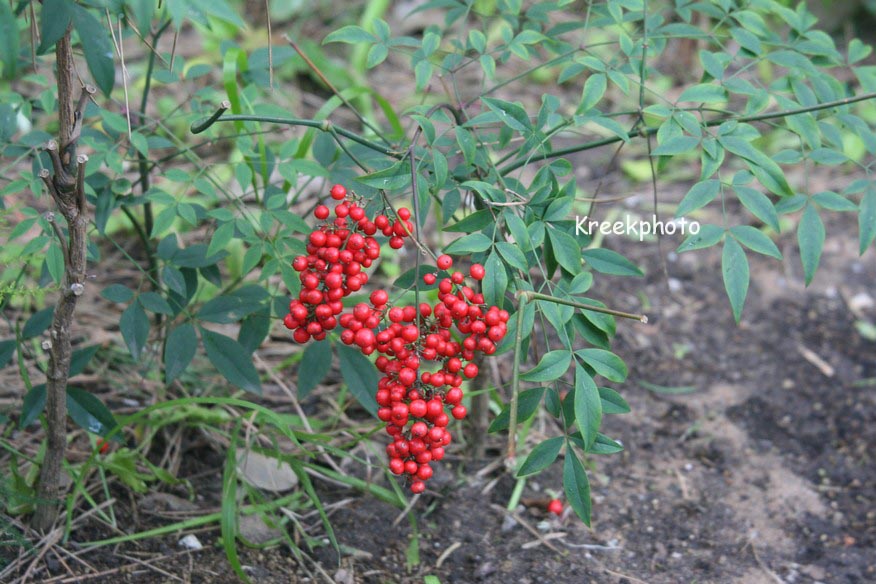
412 400
422 360
337 251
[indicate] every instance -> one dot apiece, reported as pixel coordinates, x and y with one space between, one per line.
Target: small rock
508 524
674 284
191 542
484 570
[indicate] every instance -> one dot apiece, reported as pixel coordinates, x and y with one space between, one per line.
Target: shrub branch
66 185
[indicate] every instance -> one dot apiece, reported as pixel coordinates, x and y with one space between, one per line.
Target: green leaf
607 261
605 363
33 405
541 457
567 250
139 142
576 486
518 230
38 323
220 9
89 412
226 309
867 219
755 240
810 237
117 293
360 375
605 445
7 350
474 222
254 329
467 144
759 205
699 195
676 145
54 20
134 325
232 361
588 406
315 365
704 93
172 278
221 237
55 262
594 89
397 176
552 366
612 402
827 156
734 267
527 404
81 358
833 201
707 236
350 34
512 255
471 243
179 350
10 43
495 283
97 48
762 166
858 51
153 302
512 114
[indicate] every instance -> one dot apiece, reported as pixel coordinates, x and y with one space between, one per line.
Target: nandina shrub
488 162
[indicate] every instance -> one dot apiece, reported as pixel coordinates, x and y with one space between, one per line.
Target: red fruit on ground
555 507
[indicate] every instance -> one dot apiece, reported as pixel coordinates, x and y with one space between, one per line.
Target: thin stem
650 131
537 296
324 126
515 379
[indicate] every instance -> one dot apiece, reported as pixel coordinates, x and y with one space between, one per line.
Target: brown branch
67 187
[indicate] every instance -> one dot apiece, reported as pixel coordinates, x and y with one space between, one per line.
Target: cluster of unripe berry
425 352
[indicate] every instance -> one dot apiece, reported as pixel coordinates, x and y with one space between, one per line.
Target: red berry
444 261
397 466
338 192
379 298
321 212
103 446
418 487
555 507
477 271
418 408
